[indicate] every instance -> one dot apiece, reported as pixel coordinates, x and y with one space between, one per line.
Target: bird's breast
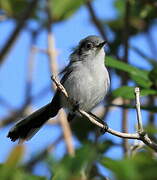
86 87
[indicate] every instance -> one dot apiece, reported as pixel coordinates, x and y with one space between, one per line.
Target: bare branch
52 54
140 136
138 110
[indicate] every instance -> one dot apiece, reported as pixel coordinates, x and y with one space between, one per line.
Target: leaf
141 77
13 8
72 167
141 81
122 169
9 170
151 129
124 92
6 5
133 168
63 9
120 6
146 92
127 92
112 62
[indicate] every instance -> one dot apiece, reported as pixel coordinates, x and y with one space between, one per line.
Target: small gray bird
86 81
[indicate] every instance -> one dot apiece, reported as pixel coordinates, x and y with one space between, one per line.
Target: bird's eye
88 46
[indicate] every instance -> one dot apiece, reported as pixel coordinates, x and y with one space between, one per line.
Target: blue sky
13 74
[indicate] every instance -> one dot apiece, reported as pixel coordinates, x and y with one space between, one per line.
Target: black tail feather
27 127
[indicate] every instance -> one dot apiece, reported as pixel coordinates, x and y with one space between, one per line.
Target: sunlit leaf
122 169
141 77
151 129
112 62
125 92
72 167
133 168
62 9
140 81
146 92
120 6
13 8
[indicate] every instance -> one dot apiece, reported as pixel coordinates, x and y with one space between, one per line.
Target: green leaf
141 77
6 5
122 169
140 167
140 81
13 8
112 62
151 129
16 173
124 92
120 6
63 9
146 92
72 167
127 92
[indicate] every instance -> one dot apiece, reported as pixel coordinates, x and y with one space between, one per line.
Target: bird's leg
75 107
104 129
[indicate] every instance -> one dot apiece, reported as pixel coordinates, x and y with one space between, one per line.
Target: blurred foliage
142 16
138 75
11 170
142 166
91 153
13 8
59 9
63 9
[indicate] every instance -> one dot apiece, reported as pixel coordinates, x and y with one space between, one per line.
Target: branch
138 110
52 54
139 136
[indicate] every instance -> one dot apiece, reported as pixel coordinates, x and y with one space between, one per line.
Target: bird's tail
26 128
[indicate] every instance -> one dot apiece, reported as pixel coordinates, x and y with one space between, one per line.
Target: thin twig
140 136
138 110
52 53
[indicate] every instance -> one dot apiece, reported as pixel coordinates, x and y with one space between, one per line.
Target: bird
86 80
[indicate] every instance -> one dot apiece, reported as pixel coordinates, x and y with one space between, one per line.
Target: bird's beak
101 44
